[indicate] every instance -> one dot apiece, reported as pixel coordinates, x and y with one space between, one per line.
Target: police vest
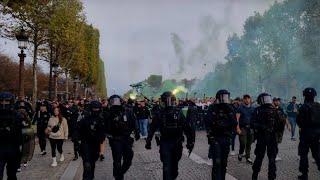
8 126
221 123
315 114
269 119
120 123
171 123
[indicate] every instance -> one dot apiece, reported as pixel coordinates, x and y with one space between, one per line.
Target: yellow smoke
179 89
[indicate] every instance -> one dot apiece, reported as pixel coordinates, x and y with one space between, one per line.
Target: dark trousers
89 154
219 150
170 155
266 142
122 155
9 158
42 138
233 140
245 139
308 141
56 144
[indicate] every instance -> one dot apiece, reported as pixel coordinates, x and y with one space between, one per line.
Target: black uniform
91 135
171 123
220 122
267 123
41 118
308 119
120 124
10 138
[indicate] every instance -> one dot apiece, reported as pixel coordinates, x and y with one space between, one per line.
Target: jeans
56 144
293 124
143 126
245 139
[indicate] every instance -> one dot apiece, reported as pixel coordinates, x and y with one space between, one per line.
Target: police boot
303 177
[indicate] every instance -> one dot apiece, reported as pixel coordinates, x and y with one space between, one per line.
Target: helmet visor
224 98
115 102
266 100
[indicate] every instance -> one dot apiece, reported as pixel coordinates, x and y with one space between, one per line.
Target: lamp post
76 87
22 44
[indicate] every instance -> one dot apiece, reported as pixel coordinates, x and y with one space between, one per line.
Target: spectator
58 132
143 114
292 110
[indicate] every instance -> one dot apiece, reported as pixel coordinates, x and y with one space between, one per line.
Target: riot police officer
220 122
308 120
266 123
10 136
91 135
41 118
120 124
171 123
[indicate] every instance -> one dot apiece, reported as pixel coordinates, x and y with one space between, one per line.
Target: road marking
71 170
199 160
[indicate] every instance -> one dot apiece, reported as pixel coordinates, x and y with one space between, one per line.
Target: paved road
146 164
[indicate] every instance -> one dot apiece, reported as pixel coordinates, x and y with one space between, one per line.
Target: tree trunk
50 73
34 69
67 85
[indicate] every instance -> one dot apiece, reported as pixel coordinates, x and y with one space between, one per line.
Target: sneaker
19 170
240 157
232 153
293 139
278 158
54 162
61 158
25 165
43 153
75 157
249 161
101 157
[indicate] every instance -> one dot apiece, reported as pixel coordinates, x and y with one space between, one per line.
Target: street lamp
22 38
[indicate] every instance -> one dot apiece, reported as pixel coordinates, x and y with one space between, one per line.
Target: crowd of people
88 123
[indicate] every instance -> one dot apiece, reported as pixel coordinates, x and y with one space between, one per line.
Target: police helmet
115 100
264 98
6 100
95 105
168 99
309 92
223 96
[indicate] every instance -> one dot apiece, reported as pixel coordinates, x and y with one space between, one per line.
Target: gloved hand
137 136
148 144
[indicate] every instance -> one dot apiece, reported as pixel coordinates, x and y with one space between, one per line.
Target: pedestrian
91 135
244 128
120 124
58 132
292 110
308 120
10 136
266 123
142 113
220 122
236 104
172 124
41 118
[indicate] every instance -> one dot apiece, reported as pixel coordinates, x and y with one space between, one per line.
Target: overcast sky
136 41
